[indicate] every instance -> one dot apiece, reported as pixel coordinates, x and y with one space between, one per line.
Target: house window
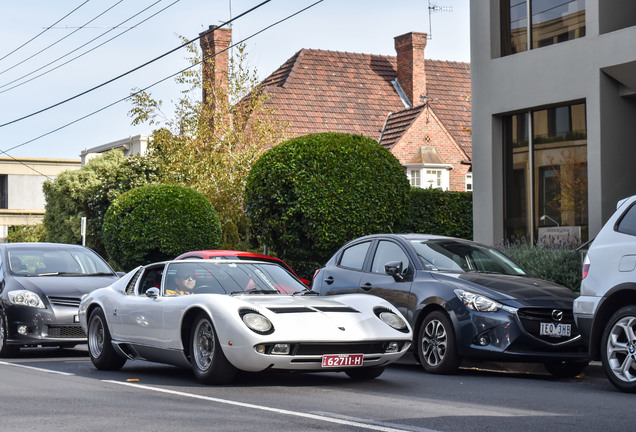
545 170
434 178
531 24
469 182
415 178
4 191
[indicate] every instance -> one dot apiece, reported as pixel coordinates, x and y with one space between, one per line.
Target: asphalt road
54 390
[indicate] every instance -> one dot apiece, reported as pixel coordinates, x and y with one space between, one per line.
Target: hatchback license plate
555 330
339 360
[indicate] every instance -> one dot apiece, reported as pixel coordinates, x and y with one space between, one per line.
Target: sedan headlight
257 322
391 319
477 302
26 298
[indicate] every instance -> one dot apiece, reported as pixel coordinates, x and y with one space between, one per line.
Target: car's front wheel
565 368
437 347
618 349
6 350
209 364
365 373
100 347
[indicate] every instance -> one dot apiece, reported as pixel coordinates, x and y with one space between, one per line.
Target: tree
88 192
309 195
158 222
26 233
211 148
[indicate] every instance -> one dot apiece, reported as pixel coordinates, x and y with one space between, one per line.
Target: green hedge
158 222
433 211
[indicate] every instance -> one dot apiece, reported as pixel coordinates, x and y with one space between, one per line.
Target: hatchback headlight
26 298
477 302
257 323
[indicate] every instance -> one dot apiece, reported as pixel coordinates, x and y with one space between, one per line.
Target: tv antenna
432 9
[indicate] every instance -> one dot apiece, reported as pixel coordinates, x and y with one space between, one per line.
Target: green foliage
433 211
309 195
557 263
88 192
158 222
26 233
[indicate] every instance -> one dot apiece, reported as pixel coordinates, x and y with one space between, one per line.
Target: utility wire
164 79
43 31
60 40
82 46
129 72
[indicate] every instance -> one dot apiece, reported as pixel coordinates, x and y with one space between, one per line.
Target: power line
42 32
168 77
82 46
129 72
60 40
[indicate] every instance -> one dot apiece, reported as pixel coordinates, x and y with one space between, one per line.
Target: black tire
436 347
618 349
6 350
365 373
209 364
100 347
565 368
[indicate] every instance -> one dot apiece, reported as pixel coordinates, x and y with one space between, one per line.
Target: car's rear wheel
209 364
365 373
100 347
437 347
6 350
565 368
618 349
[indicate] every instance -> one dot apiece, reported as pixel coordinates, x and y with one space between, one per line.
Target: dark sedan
41 288
462 299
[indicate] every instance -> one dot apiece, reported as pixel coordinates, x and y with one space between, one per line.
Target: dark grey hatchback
41 285
462 299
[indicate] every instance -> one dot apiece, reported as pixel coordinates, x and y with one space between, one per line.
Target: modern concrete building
131 146
553 114
21 197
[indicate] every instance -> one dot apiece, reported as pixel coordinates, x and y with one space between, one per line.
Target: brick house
419 109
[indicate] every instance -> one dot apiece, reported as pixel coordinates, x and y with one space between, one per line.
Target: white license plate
340 360
555 330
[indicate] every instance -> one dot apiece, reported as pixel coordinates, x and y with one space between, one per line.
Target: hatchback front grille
64 301
531 319
74 332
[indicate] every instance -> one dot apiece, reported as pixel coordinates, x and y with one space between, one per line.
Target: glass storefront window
550 22
545 176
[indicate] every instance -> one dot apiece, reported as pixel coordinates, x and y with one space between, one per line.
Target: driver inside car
184 283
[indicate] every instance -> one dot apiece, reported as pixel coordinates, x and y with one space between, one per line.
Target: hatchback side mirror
394 269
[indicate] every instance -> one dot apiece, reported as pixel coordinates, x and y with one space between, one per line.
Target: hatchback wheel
6 350
437 347
618 349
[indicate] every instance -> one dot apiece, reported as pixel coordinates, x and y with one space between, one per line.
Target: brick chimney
214 45
410 65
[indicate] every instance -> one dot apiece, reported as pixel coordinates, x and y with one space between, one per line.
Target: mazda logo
557 315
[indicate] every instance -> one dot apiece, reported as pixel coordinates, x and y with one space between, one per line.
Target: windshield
34 261
451 255
231 278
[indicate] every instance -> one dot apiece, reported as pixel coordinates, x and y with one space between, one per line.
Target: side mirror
394 268
152 292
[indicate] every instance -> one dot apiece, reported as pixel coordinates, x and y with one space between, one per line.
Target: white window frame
469 182
441 179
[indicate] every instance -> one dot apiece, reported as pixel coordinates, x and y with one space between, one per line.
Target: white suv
605 312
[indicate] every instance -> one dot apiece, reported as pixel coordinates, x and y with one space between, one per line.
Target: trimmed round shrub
311 194
158 222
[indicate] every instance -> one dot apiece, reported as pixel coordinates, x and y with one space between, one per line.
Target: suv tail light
586 267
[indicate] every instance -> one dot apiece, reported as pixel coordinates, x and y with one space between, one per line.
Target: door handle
366 286
329 280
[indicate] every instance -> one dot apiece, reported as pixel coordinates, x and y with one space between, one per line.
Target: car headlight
257 322
477 302
26 298
391 319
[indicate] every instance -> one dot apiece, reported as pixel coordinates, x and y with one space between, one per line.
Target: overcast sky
360 26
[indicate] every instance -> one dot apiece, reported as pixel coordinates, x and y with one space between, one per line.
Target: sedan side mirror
394 268
152 292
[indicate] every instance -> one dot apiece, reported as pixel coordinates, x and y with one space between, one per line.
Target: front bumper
54 326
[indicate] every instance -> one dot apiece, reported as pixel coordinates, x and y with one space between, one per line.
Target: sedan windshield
219 277
34 261
451 255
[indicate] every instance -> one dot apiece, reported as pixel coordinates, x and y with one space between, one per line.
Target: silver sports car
220 316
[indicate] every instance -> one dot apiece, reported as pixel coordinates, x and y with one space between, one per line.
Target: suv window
386 252
353 257
627 223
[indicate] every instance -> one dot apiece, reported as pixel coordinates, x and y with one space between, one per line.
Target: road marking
36 368
340 421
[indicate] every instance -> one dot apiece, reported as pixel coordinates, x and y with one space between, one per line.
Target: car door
343 277
377 282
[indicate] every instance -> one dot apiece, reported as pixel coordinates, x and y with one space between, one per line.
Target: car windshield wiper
306 292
